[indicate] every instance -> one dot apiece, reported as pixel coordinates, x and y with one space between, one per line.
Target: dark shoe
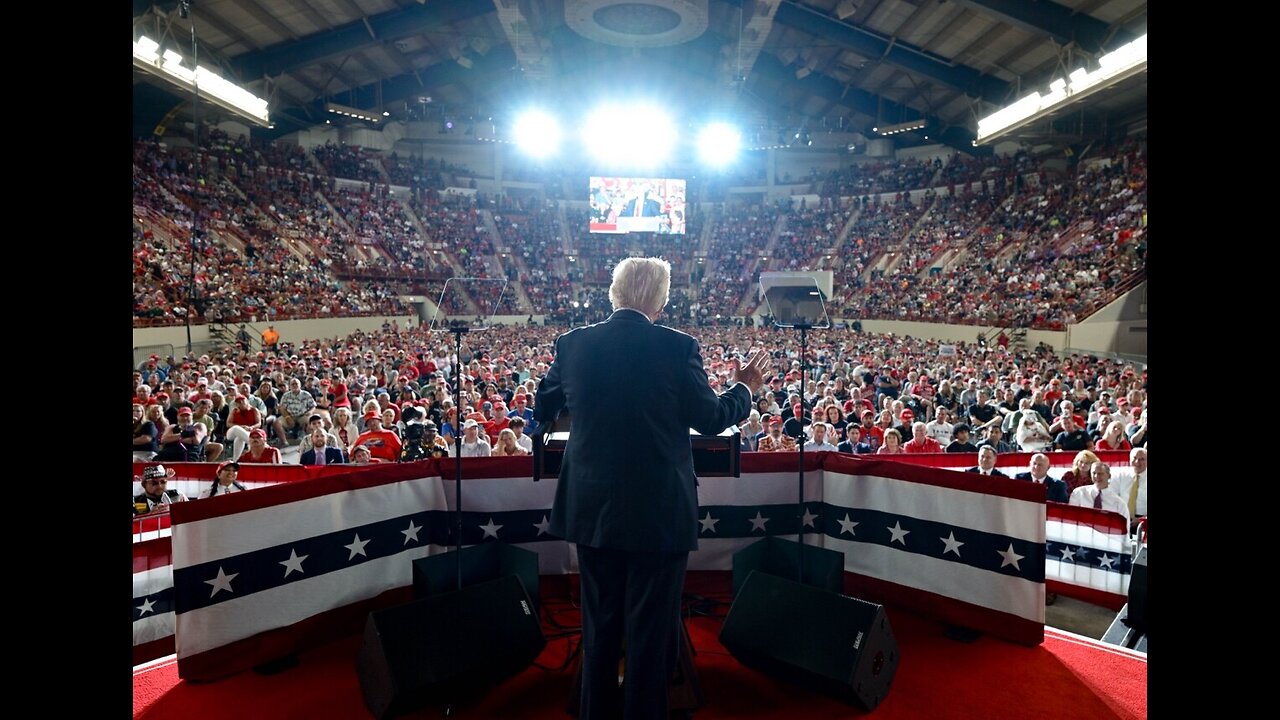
1050 598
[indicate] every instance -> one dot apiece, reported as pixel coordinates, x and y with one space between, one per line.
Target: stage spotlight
718 144
537 134
635 135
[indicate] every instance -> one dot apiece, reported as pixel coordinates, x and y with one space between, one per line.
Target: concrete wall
1120 327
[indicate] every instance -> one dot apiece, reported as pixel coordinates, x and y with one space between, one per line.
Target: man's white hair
641 284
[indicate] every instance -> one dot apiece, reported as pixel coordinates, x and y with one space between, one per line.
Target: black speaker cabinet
1137 617
823 567
456 642
829 642
683 695
436 574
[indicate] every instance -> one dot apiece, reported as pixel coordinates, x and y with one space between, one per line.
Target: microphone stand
458 331
804 360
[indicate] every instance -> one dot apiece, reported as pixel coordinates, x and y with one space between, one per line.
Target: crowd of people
388 395
1034 244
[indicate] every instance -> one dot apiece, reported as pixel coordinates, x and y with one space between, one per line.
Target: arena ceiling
811 64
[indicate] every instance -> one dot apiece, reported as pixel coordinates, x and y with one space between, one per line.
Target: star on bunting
411 533
490 530
357 547
757 522
847 525
952 544
221 582
899 535
1010 558
293 563
709 523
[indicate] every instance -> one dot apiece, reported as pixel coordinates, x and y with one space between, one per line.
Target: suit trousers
633 596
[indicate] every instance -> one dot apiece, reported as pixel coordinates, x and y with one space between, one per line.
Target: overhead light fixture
205 82
1127 61
901 127
366 115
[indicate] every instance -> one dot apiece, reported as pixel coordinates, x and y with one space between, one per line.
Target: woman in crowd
1114 438
156 415
344 427
835 418
1078 475
946 397
259 451
219 411
368 407
507 444
751 431
447 428
389 422
892 443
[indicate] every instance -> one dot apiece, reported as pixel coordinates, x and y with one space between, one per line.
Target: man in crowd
1072 437
1133 488
819 441
986 462
294 407
853 442
961 442
920 441
1038 472
154 497
320 453
474 444
382 444
1099 494
775 440
939 428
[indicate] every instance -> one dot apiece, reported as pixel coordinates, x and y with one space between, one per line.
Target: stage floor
1068 676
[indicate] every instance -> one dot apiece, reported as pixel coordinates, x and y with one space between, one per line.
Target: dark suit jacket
651 208
995 472
332 456
633 390
1055 488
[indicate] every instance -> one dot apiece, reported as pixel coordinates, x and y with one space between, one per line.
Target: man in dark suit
649 207
320 453
631 507
1039 473
986 462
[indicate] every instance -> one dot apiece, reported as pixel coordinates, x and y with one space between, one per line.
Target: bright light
718 144
632 135
537 134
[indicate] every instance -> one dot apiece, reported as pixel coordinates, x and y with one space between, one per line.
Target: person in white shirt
474 444
939 429
524 441
1135 502
1099 494
224 480
819 441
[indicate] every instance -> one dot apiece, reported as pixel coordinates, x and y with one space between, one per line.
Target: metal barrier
143 352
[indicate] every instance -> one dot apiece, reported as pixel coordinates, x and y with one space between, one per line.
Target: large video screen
626 205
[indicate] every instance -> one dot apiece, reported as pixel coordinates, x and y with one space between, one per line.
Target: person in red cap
795 425
259 451
382 444
224 480
244 418
774 440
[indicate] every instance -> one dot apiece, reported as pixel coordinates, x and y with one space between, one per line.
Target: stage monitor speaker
826 641
823 567
437 574
455 642
1137 617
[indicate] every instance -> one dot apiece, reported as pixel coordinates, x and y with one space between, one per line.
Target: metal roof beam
891 50
1050 19
354 36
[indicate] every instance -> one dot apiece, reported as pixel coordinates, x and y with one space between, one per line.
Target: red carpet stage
1067 676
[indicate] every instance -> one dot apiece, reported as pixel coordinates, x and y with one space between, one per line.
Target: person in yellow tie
1133 488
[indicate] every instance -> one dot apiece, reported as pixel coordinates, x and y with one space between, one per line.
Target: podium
713 455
